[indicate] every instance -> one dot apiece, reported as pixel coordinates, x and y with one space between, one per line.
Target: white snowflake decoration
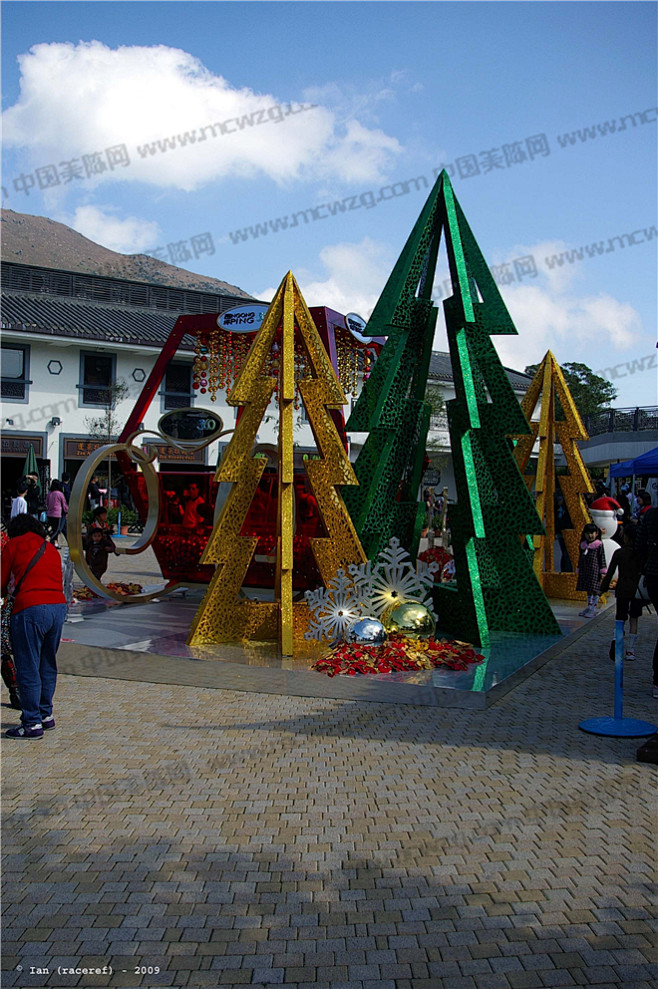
333 608
393 579
370 590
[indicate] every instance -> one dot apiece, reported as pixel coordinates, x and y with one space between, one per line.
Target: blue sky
328 121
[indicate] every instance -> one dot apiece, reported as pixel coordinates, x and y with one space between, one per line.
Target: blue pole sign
618 726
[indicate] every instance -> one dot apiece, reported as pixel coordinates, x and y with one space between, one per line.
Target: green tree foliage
434 396
439 420
107 425
590 392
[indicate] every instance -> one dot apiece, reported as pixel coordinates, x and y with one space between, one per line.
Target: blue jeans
35 634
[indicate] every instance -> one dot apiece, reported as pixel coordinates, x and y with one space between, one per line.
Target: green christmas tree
391 406
495 587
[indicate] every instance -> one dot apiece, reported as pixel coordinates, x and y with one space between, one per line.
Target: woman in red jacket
36 621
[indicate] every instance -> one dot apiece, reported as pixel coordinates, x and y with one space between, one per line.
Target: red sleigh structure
181 535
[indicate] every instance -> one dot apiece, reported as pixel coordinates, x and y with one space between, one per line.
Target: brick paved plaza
228 837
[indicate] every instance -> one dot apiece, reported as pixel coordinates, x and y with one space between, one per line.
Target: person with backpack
37 617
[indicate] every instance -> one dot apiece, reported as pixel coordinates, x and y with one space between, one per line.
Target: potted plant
128 517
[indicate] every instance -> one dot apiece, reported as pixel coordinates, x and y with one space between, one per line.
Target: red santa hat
607 504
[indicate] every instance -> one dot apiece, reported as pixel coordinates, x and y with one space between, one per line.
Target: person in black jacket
646 545
33 495
94 493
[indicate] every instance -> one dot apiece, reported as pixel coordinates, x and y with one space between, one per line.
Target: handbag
642 594
8 667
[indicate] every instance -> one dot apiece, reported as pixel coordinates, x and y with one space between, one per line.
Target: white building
438 440
67 337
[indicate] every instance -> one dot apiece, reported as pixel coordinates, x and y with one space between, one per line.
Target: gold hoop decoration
76 509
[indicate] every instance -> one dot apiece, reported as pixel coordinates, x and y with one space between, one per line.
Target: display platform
148 643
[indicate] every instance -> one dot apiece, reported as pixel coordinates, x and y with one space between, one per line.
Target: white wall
57 395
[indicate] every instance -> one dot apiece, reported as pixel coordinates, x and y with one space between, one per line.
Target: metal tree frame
495 588
222 615
549 387
391 407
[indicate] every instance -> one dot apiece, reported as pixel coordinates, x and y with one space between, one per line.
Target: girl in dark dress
591 568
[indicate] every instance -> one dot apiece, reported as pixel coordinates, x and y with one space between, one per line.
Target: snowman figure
606 513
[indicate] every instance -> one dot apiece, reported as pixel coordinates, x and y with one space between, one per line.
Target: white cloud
80 99
550 315
573 327
557 277
356 274
128 236
364 100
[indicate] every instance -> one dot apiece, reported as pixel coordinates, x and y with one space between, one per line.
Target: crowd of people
51 510
632 571
633 504
191 511
34 607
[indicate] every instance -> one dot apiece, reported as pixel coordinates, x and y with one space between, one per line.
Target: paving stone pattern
235 838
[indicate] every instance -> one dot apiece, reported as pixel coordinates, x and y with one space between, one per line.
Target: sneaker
591 612
629 656
48 723
583 613
655 690
22 731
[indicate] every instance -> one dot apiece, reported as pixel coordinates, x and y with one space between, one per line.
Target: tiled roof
50 302
52 311
441 370
51 316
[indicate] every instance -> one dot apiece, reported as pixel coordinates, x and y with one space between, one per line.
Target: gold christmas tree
223 616
549 387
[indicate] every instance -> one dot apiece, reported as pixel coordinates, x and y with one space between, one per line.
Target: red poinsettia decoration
119 587
437 554
398 654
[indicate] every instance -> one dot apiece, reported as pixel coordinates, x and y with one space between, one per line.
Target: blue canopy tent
646 465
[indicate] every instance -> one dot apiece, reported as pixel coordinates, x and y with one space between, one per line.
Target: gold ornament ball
367 632
409 618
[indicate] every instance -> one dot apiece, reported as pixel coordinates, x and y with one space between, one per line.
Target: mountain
36 240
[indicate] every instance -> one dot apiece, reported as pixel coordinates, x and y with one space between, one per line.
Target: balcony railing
439 421
621 420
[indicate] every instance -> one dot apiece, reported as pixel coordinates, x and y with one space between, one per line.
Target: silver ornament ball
367 632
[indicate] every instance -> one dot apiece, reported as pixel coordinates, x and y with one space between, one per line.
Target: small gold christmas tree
549 387
224 616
